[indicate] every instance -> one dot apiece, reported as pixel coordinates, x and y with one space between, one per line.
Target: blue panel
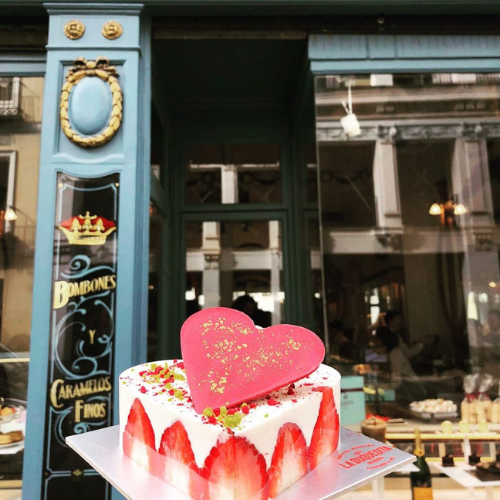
457 46
337 47
90 106
12 64
404 53
381 46
405 66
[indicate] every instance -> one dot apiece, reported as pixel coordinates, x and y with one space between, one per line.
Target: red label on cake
369 455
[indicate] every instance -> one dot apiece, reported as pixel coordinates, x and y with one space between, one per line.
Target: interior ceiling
201 72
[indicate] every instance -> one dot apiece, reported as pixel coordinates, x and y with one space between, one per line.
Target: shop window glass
157 146
494 172
411 277
347 172
156 221
20 123
309 153
424 174
236 264
235 173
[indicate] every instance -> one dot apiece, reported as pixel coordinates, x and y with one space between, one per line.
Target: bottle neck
419 451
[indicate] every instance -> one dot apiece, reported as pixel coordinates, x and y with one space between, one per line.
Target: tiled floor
458 493
363 494
438 495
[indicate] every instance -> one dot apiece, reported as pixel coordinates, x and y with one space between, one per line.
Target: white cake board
358 461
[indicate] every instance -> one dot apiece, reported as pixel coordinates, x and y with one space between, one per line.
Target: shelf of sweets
402 432
437 437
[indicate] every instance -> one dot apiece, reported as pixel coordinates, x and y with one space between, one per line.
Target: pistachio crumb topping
208 412
232 420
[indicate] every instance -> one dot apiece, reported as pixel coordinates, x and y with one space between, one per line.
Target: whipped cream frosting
298 404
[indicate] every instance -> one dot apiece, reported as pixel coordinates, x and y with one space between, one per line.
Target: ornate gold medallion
82 70
74 29
112 30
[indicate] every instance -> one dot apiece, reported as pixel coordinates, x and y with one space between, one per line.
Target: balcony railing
9 96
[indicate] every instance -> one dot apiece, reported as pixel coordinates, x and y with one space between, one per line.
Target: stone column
211 271
229 181
472 188
274 246
385 179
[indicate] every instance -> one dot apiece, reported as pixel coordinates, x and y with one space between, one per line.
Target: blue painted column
84 31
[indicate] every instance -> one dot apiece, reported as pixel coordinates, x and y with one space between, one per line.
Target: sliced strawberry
177 463
139 437
289 462
325 438
235 470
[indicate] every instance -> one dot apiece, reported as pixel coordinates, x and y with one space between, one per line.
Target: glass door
234 258
236 264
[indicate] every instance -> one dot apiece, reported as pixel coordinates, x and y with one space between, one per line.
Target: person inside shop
408 387
246 303
393 321
424 362
339 341
489 343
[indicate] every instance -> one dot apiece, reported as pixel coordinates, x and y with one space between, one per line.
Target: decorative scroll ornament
81 70
112 30
74 29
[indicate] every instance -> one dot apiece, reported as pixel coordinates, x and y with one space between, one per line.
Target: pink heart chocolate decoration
228 360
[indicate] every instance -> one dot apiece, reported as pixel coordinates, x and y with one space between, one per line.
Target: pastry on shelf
488 471
11 437
8 410
448 460
474 459
374 428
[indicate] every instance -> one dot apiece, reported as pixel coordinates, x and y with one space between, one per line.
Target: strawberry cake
255 442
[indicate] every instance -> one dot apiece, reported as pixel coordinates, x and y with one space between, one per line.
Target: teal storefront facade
132 93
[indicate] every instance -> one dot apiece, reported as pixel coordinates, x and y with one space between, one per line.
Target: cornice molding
316 7
131 9
402 131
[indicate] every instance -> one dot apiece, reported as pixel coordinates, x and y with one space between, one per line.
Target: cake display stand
461 473
358 461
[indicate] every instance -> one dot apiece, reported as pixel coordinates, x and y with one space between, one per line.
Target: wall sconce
10 215
6 218
350 122
447 211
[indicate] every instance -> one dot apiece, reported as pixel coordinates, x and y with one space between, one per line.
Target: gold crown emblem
87 229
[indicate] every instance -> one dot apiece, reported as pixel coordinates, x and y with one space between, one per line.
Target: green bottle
421 481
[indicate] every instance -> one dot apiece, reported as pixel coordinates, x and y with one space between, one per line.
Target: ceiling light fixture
447 211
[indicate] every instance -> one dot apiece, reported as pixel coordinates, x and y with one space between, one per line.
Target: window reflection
20 120
156 221
424 174
235 173
347 171
410 257
236 264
